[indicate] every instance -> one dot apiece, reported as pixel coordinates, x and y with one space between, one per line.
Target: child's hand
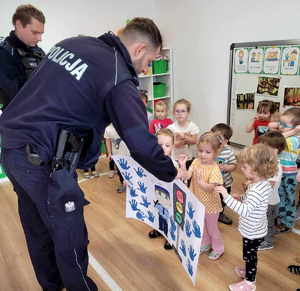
182 159
236 196
298 177
222 167
273 125
297 129
222 190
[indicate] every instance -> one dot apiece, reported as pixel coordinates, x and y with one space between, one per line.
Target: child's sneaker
213 255
86 174
240 271
205 249
265 246
121 189
243 286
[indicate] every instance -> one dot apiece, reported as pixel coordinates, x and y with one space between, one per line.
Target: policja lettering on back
59 55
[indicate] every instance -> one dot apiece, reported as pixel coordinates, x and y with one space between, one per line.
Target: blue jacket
84 82
17 61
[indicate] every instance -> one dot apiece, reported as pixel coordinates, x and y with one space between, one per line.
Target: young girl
165 139
185 131
260 122
258 163
206 174
161 120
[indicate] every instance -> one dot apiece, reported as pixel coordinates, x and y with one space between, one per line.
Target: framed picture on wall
291 97
268 86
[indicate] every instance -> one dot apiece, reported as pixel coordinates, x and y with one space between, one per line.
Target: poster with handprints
272 60
241 60
170 208
290 61
255 62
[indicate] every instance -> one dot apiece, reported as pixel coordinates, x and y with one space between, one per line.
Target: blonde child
161 120
206 175
186 132
276 141
260 122
289 126
258 163
165 139
227 163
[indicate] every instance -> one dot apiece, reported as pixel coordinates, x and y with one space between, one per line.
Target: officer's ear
19 26
138 50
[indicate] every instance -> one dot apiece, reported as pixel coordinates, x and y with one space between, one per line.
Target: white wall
70 18
200 32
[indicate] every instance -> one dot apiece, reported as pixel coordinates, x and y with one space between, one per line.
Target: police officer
19 53
82 85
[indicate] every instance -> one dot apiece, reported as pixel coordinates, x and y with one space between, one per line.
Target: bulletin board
261 71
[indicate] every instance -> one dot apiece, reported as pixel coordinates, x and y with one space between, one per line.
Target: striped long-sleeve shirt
252 210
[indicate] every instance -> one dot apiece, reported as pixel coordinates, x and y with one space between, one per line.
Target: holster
68 150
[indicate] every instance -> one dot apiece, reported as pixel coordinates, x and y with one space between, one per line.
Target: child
165 139
90 172
276 141
205 174
144 98
227 163
260 122
115 146
289 122
258 163
185 131
161 120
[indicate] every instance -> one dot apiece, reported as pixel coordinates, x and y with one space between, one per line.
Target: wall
200 33
77 17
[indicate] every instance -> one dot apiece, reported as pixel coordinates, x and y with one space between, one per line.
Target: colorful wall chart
169 208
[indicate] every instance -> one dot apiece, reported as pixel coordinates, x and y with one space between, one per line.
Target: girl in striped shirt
258 163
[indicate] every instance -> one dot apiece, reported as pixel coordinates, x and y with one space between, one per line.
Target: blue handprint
150 216
173 228
127 176
145 202
188 229
191 210
192 253
132 192
190 268
196 229
140 215
142 187
133 205
183 248
140 172
123 164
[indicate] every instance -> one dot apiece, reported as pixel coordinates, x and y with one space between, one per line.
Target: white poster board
261 71
170 208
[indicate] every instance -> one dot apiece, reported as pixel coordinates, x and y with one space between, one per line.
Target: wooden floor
134 261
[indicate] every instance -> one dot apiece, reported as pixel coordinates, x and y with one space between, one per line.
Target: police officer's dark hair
25 13
223 129
143 27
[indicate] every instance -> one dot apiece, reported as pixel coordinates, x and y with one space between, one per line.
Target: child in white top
186 132
115 146
276 141
227 163
258 163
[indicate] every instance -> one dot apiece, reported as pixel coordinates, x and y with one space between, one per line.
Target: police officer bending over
19 53
54 125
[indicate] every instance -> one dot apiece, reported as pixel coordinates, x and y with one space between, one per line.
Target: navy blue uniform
83 82
17 61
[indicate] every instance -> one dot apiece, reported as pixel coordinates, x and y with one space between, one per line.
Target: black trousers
53 223
250 247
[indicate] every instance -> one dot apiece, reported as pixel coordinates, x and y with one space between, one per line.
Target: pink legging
211 233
